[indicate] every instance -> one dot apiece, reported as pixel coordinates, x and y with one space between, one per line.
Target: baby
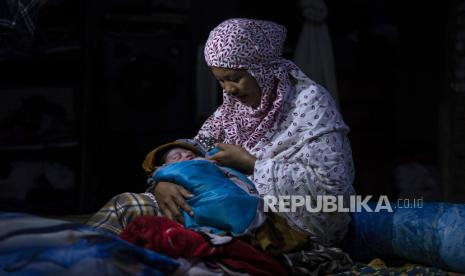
224 201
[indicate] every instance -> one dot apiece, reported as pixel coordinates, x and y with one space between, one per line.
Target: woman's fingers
183 205
221 146
165 210
185 193
222 156
235 157
175 211
170 198
217 156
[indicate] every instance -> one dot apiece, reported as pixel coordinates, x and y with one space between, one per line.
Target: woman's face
239 84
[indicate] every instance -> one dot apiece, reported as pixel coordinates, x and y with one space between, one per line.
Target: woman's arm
314 168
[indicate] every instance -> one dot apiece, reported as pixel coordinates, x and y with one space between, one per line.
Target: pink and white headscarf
256 46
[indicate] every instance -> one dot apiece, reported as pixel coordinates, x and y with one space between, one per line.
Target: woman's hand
171 198
235 157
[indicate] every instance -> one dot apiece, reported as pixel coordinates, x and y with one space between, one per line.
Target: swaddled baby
224 201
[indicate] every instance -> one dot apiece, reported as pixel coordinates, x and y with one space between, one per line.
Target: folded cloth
171 238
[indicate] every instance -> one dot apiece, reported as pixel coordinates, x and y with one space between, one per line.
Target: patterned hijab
256 46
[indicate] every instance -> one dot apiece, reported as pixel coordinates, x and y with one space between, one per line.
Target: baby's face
179 154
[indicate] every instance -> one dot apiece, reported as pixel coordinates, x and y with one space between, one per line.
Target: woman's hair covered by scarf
244 43
255 46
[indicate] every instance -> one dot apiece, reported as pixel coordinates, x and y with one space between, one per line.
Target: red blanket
171 238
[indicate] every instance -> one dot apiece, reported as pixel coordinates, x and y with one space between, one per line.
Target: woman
276 125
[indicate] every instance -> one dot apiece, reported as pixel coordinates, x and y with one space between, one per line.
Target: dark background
87 88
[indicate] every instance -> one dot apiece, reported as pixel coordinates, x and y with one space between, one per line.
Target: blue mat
433 235
31 245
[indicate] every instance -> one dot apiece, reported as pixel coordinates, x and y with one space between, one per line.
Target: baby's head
179 150
178 154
